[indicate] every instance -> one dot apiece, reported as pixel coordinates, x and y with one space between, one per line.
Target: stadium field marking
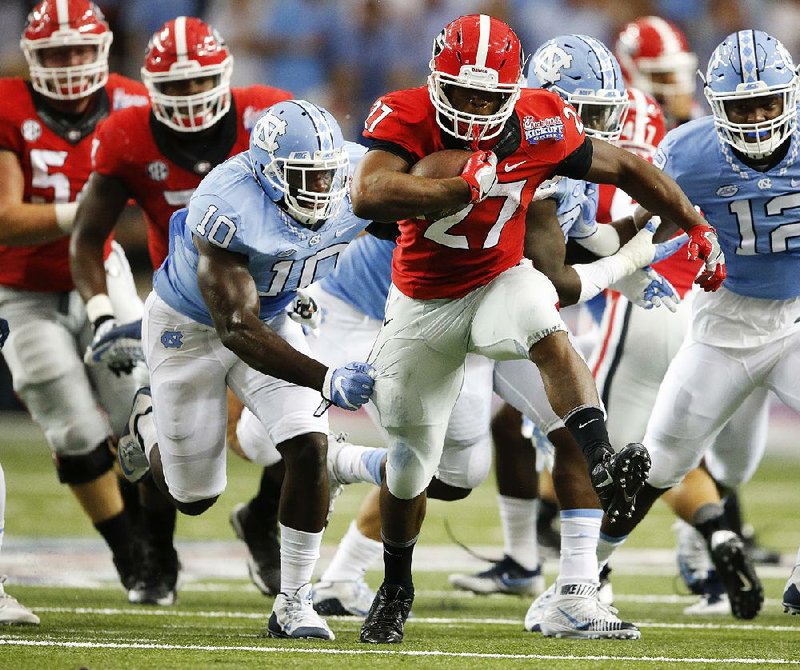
381 652
447 621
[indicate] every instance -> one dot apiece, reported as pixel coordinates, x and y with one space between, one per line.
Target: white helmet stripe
483 40
180 38
321 125
747 56
604 58
62 14
639 107
669 39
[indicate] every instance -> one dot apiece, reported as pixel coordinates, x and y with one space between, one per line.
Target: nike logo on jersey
342 231
511 166
386 322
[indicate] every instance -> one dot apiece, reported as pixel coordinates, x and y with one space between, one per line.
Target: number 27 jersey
451 256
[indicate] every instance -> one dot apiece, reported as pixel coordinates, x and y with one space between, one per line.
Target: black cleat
619 477
737 574
158 582
261 538
385 619
126 570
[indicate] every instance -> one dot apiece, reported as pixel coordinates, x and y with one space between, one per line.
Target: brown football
441 164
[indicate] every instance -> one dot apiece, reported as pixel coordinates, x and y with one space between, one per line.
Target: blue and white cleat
791 594
576 613
130 447
293 616
505 576
343 598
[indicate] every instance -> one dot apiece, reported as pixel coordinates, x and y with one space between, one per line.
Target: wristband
99 306
65 215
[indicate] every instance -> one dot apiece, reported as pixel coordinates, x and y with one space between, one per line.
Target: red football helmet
643 127
66 23
188 48
655 57
478 52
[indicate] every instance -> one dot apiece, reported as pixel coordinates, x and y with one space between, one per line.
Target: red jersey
55 157
679 271
450 257
147 157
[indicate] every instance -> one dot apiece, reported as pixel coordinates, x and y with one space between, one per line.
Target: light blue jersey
756 214
363 275
576 205
231 211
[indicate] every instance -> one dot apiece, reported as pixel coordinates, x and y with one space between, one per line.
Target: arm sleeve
577 164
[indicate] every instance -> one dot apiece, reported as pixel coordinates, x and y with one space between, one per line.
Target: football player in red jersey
460 283
47 127
157 155
655 57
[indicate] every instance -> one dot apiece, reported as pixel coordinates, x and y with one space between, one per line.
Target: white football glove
305 311
646 288
117 346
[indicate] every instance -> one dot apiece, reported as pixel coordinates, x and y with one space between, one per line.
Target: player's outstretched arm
232 300
101 204
23 223
382 190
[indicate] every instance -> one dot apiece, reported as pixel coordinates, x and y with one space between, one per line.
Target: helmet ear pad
299 158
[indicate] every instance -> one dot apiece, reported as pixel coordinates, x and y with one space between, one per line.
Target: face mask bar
71 82
682 65
601 115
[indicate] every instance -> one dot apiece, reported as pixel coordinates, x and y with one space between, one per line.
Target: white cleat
343 598
535 613
710 604
294 617
130 447
576 613
505 576
791 592
12 612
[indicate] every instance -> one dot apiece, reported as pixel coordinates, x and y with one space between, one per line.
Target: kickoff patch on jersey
537 130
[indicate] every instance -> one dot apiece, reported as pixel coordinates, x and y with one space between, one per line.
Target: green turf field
218 623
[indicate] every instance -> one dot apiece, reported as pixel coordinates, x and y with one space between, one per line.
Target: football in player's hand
441 164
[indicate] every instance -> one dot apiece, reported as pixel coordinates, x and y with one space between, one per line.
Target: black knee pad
76 470
438 490
195 508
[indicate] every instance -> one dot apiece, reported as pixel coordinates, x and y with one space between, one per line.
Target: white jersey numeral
377 114
511 193
41 162
308 273
779 236
222 229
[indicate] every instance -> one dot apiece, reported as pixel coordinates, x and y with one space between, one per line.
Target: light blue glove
671 246
4 330
646 288
348 387
117 346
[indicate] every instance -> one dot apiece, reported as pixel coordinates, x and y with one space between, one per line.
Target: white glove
305 311
640 250
117 346
646 288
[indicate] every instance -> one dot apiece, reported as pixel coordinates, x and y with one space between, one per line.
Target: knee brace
84 468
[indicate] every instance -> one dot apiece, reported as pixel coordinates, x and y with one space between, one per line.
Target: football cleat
618 477
12 612
264 550
158 580
694 563
387 615
759 554
713 601
605 592
791 594
127 572
130 448
576 613
737 574
343 598
505 576
294 617
535 613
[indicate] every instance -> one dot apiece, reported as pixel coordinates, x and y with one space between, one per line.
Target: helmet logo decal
548 66
268 128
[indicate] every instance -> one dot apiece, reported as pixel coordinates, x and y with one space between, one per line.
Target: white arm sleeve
604 241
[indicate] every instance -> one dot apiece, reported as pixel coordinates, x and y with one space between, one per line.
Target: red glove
704 244
480 173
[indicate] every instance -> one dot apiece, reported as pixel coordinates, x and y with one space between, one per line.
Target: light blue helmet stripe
321 125
607 71
747 56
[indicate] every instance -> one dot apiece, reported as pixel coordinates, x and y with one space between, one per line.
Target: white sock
299 554
2 505
147 429
355 464
606 547
355 554
580 530
518 517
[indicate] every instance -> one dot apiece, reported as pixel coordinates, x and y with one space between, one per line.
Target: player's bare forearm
651 188
383 191
230 294
100 207
545 246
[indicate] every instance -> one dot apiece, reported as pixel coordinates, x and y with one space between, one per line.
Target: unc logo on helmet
267 130
551 59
